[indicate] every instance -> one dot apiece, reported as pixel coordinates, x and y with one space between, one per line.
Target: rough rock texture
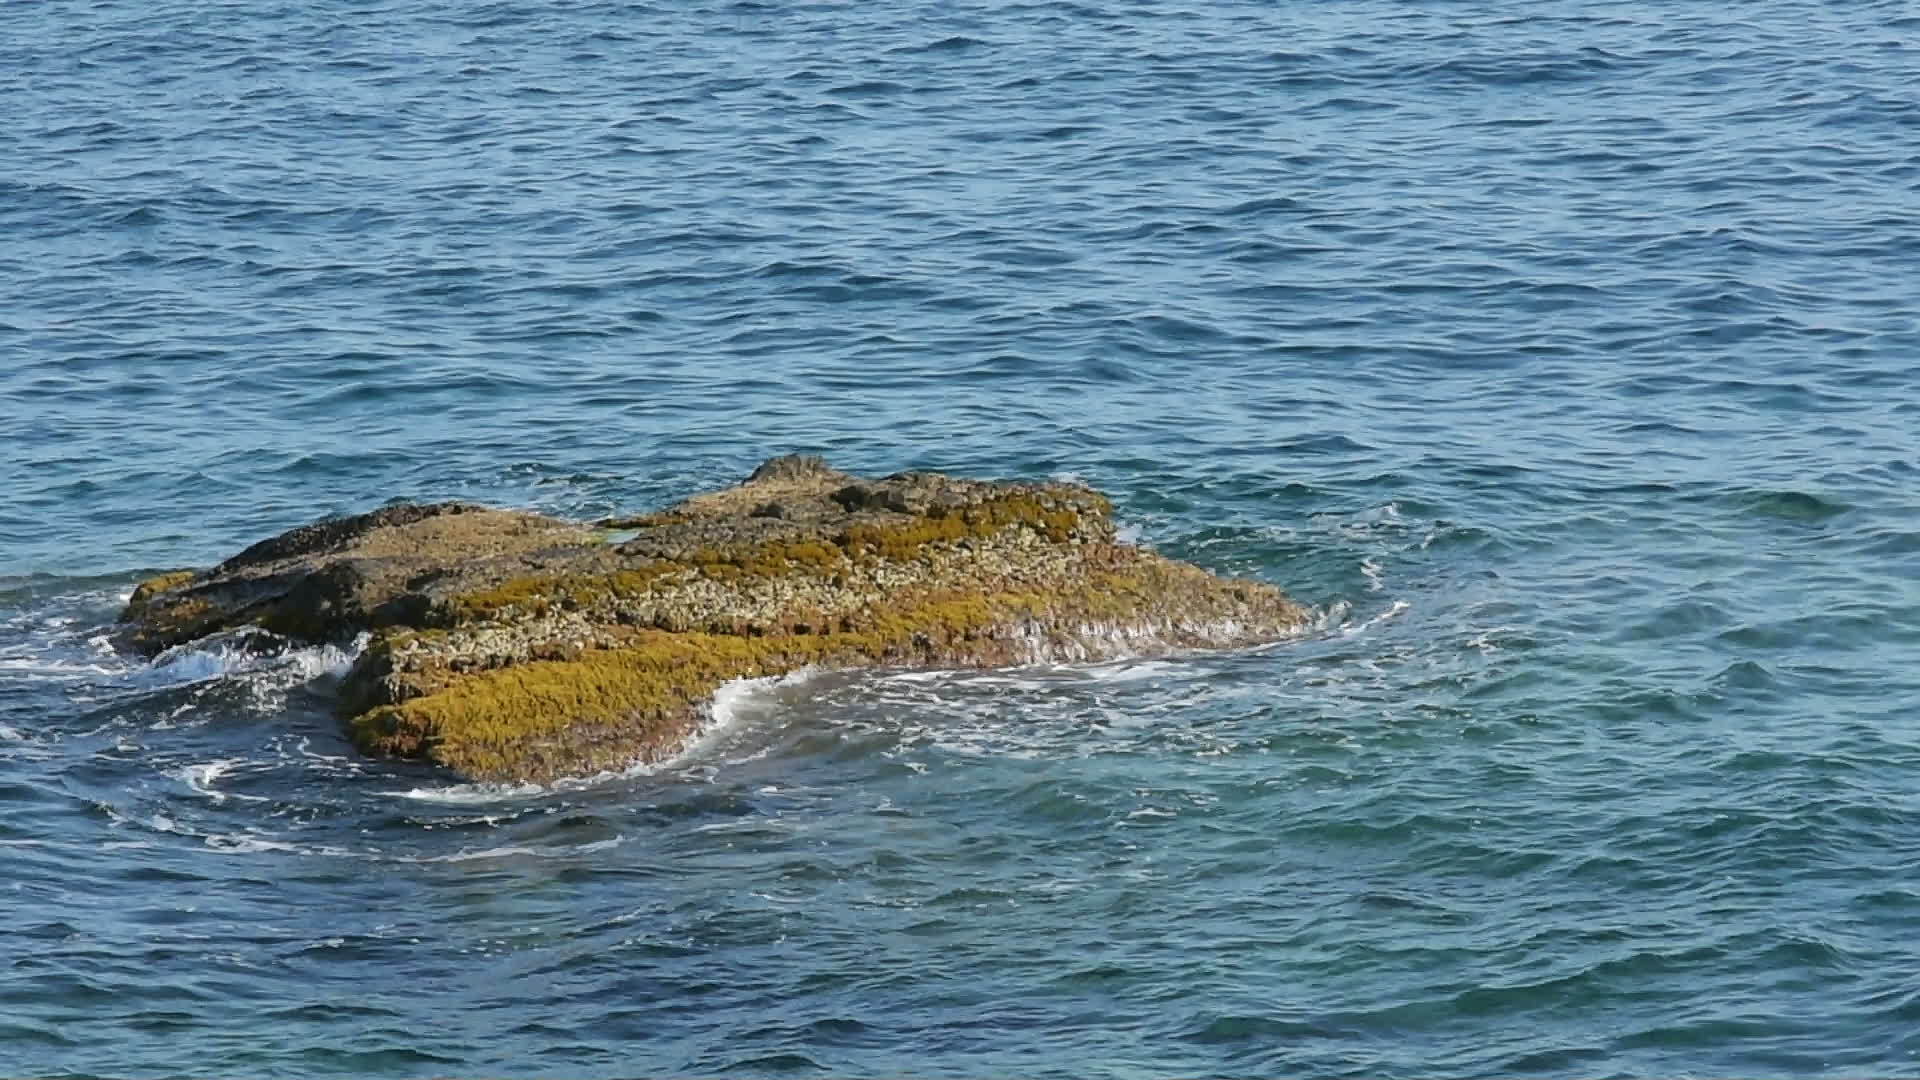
508 646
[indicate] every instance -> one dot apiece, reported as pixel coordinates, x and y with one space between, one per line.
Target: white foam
1047 676
1335 614
1325 620
55 652
736 706
1117 649
347 764
318 660
52 667
1126 671
1098 642
732 705
1117 652
470 794
1064 710
240 653
242 844
535 852
267 675
196 661
201 778
305 749
921 676
1393 612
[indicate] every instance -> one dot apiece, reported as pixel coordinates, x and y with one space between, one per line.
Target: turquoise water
1562 355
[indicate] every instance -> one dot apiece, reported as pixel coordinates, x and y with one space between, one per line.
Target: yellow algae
526 595
901 542
145 592
603 708
864 542
537 594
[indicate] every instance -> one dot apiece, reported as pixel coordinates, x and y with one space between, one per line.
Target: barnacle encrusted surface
513 647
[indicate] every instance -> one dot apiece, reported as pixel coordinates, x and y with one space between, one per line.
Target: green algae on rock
513 647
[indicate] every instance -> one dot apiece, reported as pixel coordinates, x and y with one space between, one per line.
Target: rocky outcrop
510 646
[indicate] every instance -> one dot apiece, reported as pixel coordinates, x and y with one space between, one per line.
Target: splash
249 651
736 705
201 778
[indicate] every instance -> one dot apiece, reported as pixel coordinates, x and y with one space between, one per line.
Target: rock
513 647
335 578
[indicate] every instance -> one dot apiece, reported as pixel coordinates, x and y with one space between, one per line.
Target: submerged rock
512 647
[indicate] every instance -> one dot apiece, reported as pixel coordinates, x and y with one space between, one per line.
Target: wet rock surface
513 647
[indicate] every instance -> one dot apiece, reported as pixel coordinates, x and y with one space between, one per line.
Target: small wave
20 746
250 650
1394 611
472 794
198 661
1798 506
1106 641
537 851
246 844
243 842
250 670
1374 573
1338 618
53 668
61 643
255 841
200 779
733 705
956 43
1052 676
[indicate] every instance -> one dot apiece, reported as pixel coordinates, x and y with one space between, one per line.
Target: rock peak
793 467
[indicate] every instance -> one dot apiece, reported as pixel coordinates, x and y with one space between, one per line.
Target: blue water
1563 355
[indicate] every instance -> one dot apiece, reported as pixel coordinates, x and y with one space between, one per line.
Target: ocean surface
1563 355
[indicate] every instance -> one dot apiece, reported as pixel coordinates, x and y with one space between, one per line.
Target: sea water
1561 355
